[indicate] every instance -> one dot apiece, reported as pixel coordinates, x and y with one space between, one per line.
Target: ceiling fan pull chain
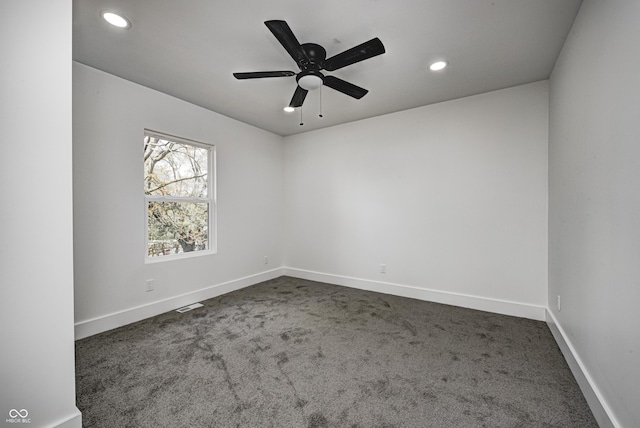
320 115
301 123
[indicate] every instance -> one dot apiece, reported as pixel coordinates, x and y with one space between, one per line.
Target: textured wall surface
594 202
450 197
110 115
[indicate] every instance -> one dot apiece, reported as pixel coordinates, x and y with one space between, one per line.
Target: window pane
177 227
174 169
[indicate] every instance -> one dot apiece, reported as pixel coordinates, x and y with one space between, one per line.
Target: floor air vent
190 307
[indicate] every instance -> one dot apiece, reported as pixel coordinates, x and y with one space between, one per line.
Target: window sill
173 257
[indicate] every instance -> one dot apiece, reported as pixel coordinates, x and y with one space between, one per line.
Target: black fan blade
345 87
373 47
298 97
261 74
285 36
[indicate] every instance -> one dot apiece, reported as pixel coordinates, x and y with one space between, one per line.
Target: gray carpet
296 353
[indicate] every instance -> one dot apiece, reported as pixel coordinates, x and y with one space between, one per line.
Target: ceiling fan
311 58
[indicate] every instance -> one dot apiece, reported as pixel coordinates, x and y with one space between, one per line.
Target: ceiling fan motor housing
316 54
310 77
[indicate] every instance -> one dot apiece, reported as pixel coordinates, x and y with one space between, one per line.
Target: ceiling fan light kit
311 58
309 81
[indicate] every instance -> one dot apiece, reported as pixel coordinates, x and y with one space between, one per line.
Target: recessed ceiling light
289 109
438 65
116 20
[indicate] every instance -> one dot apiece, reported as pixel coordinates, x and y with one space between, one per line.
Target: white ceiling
190 48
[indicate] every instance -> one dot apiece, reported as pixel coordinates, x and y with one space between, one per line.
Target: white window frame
211 200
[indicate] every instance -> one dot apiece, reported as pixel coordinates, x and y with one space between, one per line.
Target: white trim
599 407
170 137
213 211
151 198
504 307
72 421
179 256
106 322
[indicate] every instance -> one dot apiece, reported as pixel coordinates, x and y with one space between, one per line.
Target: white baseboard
504 307
107 322
598 405
72 421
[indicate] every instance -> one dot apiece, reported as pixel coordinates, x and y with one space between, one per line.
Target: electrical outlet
383 268
266 260
150 284
558 303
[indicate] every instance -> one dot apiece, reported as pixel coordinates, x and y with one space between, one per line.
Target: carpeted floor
296 353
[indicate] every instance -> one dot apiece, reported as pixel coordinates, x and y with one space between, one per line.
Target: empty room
419 213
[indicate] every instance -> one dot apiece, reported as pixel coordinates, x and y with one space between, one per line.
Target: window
179 197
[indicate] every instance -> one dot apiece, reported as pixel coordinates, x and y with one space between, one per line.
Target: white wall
594 212
110 115
452 197
36 255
